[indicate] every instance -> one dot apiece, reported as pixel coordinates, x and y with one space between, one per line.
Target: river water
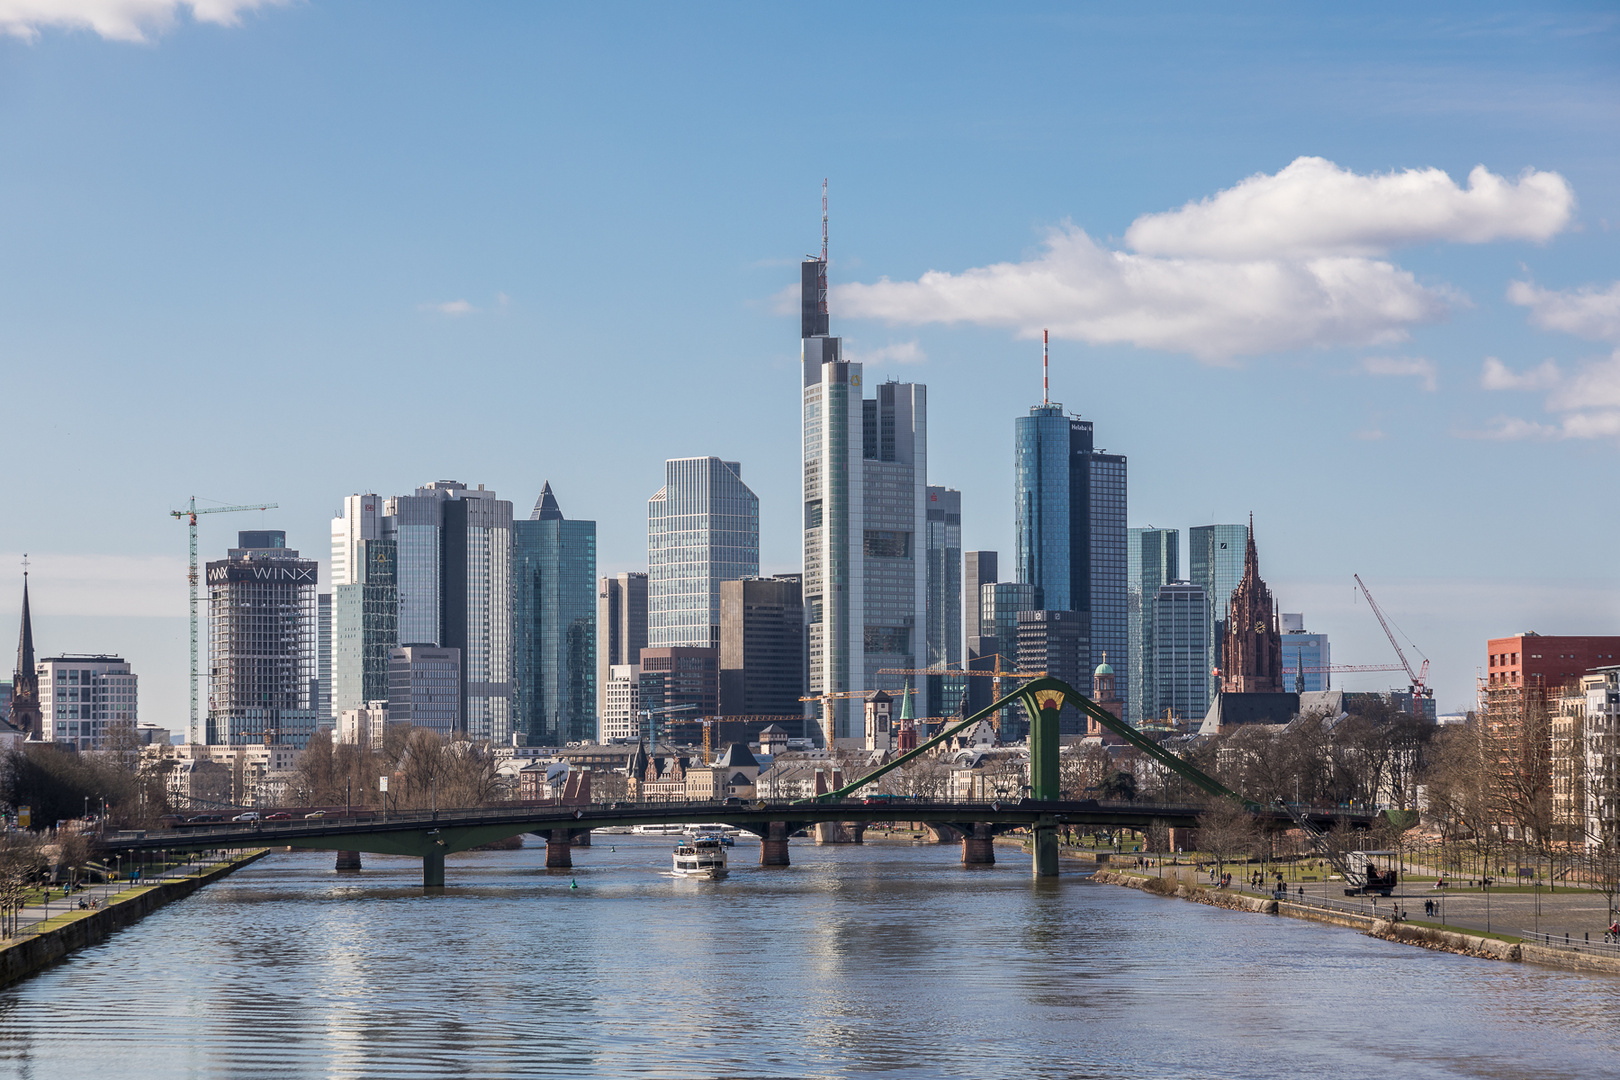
875 961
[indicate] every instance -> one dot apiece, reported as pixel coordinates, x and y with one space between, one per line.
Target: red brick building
1538 660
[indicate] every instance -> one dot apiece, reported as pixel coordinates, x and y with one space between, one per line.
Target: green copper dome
1103 668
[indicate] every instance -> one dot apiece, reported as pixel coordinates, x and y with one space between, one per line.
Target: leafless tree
1225 830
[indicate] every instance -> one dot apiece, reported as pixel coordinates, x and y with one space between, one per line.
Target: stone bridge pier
348 860
773 846
841 832
559 850
979 846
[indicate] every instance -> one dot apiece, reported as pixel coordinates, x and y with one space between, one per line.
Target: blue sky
286 252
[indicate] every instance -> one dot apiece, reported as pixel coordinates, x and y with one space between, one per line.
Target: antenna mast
1046 383
823 219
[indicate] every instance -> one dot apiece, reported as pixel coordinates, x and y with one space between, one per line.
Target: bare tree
1225 829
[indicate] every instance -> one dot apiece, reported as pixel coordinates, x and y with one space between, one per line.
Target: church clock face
1260 628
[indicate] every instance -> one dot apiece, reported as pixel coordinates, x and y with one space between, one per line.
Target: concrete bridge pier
348 860
840 832
1046 852
559 855
580 837
979 846
773 846
433 870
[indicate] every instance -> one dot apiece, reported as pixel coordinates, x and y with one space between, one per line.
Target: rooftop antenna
823 219
1046 382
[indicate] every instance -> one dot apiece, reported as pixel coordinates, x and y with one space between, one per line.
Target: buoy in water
573 884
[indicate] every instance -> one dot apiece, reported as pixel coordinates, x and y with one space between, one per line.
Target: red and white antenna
1046 382
823 219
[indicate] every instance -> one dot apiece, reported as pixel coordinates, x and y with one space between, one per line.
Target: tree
1225 829
1119 787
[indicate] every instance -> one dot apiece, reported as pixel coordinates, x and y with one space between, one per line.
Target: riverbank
1425 936
65 934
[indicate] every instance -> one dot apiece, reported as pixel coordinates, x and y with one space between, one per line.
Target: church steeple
25 713
1253 641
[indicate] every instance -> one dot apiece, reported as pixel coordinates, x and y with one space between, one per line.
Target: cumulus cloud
1418 367
903 352
1498 376
1313 207
1588 312
117 20
1588 399
1208 308
452 308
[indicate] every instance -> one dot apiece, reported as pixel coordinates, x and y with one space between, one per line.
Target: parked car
203 819
316 814
251 815
279 815
731 800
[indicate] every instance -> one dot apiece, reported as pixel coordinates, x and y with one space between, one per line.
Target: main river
882 960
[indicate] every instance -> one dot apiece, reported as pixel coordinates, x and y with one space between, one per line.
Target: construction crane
190 514
1344 667
1418 678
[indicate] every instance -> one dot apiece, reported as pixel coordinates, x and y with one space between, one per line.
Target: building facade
1253 640
554 626
1154 559
702 529
1181 681
762 649
1055 642
263 686
323 655
1215 562
1307 657
680 682
621 711
454 572
978 569
944 604
424 688
88 702
621 626
364 626
893 558
1069 514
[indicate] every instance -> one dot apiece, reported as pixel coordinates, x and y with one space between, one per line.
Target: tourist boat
726 833
703 857
659 830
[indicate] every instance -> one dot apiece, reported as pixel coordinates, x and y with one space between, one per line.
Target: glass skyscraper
365 621
1304 650
945 600
1215 562
554 626
1154 559
1069 509
1181 680
702 529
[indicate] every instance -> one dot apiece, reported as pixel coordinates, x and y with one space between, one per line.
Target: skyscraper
978 568
424 688
1215 561
262 681
621 627
1306 657
894 561
999 605
1181 681
1054 642
323 655
702 529
944 577
1069 508
762 648
454 573
364 626
554 626
1154 560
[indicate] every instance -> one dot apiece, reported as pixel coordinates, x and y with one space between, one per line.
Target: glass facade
1309 651
1215 562
894 561
1153 559
702 529
365 626
555 627
1181 679
944 578
834 549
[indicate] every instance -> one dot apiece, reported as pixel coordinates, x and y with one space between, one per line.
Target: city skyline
1350 431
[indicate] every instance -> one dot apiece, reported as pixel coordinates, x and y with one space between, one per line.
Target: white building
621 713
84 699
364 726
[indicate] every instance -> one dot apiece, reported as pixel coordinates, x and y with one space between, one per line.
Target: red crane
1418 678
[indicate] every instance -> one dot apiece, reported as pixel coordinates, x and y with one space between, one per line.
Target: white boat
659 830
704 857
711 829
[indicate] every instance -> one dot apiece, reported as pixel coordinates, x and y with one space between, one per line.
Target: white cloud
1588 312
452 308
117 20
903 352
1417 366
1211 309
1498 376
1313 207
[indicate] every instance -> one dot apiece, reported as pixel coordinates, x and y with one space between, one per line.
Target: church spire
25 640
25 712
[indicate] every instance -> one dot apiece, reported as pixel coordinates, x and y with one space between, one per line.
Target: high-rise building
999 605
1069 510
454 573
361 518
621 712
323 655
980 647
424 688
554 626
25 714
1154 560
1054 642
944 577
262 680
978 568
865 585
1181 681
364 626
702 529
1215 561
1253 651
680 675
1306 657
621 627
88 702
762 656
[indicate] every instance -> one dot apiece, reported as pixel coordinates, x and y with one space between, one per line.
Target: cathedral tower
1253 640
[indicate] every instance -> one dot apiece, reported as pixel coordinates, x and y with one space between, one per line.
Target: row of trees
424 769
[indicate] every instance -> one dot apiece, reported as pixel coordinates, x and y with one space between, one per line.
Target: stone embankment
68 934
1404 933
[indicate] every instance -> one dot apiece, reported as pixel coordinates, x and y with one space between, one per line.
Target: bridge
431 835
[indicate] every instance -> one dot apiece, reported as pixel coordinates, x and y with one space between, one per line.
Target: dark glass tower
554 621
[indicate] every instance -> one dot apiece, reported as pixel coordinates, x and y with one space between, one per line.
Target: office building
1306 657
323 654
1070 530
999 605
621 709
554 626
1215 562
1181 682
1154 560
1054 642
978 568
424 688
88 702
943 693
359 519
702 529
762 654
364 726
865 581
680 684
263 686
454 571
979 648
364 626
621 626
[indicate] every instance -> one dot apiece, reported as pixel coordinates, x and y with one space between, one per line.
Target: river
874 961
